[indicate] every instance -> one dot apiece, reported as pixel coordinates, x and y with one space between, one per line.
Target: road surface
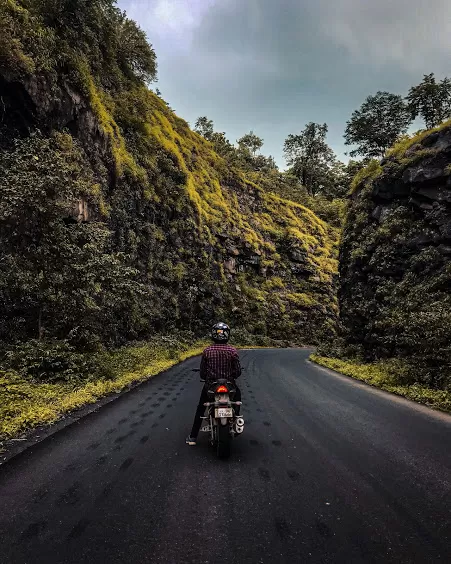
327 470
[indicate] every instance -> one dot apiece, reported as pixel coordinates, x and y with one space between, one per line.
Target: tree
310 157
344 175
244 156
431 100
136 56
204 127
251 142
58 274
114 46
377 125
223 146
260 163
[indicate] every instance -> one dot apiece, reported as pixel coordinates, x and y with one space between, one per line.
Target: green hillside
118 221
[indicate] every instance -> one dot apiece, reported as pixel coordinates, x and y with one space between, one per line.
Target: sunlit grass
384 375
25 404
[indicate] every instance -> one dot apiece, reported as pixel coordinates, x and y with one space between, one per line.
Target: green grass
373 170
370 172
25 403
400 148
385 375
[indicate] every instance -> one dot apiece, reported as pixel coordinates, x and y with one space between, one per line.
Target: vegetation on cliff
388 375
395 266
164 233
118 222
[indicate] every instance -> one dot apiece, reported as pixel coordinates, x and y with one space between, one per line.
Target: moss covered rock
117 220
395 259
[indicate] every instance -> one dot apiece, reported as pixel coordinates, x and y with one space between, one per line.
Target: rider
219 360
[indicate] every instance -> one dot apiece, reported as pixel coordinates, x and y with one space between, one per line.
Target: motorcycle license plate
224 412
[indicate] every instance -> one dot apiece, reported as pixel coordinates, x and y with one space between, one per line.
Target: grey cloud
414 34
272 66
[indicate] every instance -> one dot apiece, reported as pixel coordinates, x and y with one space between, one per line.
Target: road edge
398 398
36 435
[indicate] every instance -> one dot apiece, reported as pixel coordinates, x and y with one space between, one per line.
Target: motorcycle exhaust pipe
239 425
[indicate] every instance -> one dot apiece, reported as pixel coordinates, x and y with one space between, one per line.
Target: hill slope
117 221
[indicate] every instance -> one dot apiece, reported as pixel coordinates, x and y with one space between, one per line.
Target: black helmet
220 333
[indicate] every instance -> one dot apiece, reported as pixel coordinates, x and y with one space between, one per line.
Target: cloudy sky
274 65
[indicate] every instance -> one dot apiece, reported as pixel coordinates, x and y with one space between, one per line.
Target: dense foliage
60 277
310 158
431 100
48 35
117 221
384 118
395 260
377 124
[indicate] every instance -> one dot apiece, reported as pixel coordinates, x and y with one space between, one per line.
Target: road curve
328 470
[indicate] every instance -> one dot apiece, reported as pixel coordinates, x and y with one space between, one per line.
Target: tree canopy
310 157
204 127
251 142
54 34
244 156
377 125
431 100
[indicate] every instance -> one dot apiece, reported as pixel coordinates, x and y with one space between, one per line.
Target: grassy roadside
42 382
384 375
26 403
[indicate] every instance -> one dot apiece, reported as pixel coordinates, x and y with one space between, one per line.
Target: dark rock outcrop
395 261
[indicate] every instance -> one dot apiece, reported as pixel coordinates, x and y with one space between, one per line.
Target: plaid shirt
220 361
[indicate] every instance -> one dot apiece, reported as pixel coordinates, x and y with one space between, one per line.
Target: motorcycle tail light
222 390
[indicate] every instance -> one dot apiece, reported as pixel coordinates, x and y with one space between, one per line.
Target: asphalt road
327 470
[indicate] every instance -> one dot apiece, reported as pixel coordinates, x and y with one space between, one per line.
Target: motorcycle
223 424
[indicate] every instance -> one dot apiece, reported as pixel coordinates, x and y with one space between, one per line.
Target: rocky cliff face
118 221
395 259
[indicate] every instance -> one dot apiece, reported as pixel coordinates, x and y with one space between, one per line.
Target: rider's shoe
190 441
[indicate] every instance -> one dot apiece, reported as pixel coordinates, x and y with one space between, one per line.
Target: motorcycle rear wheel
224 441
